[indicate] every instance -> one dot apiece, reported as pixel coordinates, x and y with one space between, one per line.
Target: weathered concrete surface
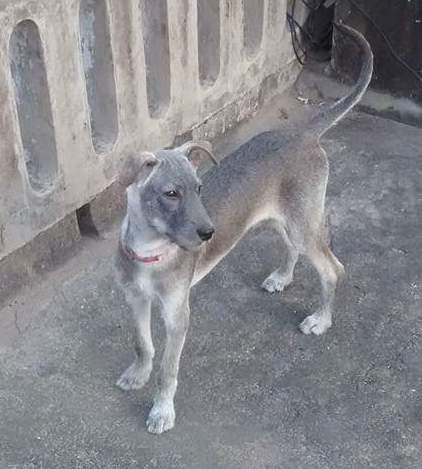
107 78
85 83
254 392
320 81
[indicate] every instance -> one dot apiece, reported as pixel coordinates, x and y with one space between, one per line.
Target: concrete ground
254 392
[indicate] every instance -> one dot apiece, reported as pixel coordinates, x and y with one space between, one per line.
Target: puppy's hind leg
137 375
329 269
283 276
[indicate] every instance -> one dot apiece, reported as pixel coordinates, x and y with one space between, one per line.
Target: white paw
315 324
275 283
135 377
161 418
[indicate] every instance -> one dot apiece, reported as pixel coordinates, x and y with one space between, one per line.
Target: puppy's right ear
137 167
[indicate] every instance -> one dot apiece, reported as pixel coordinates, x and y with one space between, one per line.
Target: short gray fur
276 178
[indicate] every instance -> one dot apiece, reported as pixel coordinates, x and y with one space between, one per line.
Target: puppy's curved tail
331 114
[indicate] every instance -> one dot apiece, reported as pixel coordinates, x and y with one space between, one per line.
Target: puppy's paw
135 377
161 418
315 324
275 283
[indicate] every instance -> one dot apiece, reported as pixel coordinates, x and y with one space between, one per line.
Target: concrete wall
85 82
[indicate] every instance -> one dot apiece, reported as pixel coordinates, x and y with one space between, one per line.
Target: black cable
303 31
294 25
300 51
295 41
312 7
414 72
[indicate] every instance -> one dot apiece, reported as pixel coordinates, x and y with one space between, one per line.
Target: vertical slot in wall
208 41
253 14
98 66
157 55
33 105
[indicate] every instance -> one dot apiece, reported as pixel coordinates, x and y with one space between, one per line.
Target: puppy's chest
147 283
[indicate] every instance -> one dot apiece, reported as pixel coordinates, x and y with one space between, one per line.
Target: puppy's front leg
138 373
176 317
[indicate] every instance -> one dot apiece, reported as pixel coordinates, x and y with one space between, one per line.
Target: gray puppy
167 243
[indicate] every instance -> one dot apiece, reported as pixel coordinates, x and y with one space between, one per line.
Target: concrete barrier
85 82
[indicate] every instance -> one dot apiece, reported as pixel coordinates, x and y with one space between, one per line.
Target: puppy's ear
137 167
197 151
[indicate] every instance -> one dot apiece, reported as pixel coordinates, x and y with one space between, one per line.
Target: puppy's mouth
188 247
172 239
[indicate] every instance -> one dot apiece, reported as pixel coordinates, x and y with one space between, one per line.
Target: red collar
130 254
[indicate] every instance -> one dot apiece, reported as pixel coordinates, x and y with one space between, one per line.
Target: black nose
205 233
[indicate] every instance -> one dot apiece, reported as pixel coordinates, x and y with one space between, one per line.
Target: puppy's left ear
137 166
197 151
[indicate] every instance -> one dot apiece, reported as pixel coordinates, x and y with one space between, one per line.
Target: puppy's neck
141 241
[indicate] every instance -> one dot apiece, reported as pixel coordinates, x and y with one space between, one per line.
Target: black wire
297 46
303 31
294 25
414 72
312 7
295 41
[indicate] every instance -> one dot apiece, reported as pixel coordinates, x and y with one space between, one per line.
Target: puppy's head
163 189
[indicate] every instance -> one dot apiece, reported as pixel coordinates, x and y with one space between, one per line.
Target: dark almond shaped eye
171 194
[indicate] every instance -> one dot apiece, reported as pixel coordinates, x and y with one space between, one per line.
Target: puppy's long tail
331 114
